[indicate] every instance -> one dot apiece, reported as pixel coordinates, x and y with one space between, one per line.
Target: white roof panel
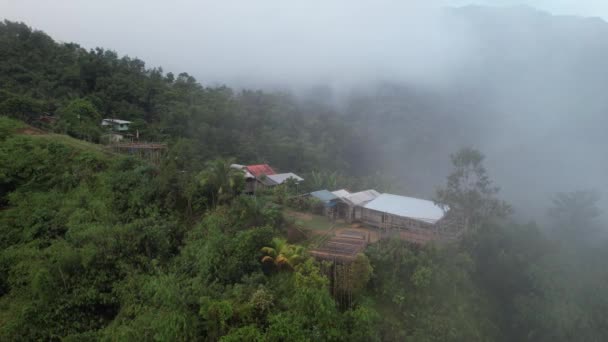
341 193
280 178
414 208
361 197
242 168
108 121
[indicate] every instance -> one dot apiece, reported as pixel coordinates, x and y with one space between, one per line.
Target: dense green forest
39 75
96 245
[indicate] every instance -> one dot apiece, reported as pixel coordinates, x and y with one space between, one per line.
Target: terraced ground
318 228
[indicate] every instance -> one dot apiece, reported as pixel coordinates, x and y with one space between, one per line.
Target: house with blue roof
328 199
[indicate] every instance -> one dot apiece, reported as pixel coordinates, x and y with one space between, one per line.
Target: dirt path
30 131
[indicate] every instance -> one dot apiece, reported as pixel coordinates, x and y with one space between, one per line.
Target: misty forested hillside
99 245
529 94
527 74
41 76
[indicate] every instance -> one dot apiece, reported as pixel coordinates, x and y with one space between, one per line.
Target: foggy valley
158 224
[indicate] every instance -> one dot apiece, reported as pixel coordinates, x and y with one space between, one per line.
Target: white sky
271 41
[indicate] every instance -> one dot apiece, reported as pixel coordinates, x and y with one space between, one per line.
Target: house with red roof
260 169
260 176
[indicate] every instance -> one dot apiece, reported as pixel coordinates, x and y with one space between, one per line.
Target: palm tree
256 211
283 255
222 181
324 180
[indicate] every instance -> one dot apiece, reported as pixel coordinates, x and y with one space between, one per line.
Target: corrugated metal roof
323 195
279 178
414 208
260 169
341 193
361 197
110 121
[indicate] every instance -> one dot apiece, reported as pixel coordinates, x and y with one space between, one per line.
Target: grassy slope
309 221
10 127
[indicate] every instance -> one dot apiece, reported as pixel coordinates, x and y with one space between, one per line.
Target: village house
242 168
262 176
260 170
328 200
413 219
116 125
250 180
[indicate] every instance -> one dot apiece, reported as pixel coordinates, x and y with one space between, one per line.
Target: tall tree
469 192
80 118
575 213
